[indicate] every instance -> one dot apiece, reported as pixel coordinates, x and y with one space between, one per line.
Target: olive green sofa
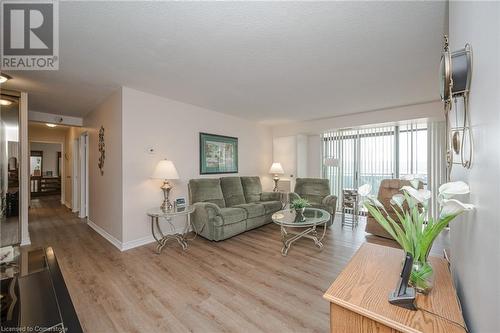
228 206
317 192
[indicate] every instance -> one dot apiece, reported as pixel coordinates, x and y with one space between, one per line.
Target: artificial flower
421 196
449 190
364 190
398 199
453 207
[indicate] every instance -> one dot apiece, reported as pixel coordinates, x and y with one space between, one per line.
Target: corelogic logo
30 35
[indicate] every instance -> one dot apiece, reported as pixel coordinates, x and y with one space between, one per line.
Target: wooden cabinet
358 297
45 186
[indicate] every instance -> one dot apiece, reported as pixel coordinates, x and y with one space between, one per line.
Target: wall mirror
9 168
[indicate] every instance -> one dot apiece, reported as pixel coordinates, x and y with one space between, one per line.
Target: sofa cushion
253 209
312 189
232 191
252 188
206 190
233 215
271 206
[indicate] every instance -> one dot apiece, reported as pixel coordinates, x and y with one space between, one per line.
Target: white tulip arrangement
417 231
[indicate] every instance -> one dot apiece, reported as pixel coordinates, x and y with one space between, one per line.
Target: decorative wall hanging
456 74
102 150
218 154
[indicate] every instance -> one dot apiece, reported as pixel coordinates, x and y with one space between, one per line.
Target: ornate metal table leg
314 237
159 241
286 246
163 240
183 236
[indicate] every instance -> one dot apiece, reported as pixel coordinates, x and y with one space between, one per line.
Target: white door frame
84 175
75 201
63 167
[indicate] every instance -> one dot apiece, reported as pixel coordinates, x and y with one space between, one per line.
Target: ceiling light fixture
4 77
51 125
5 102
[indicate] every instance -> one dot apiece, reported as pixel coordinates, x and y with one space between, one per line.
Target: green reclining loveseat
229 206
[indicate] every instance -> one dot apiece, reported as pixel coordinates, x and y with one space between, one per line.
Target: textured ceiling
265 61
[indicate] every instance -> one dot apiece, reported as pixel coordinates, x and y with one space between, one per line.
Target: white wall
172 129
50 159
314 156
431 110
300 156
285 152
105 191
301 152
475 245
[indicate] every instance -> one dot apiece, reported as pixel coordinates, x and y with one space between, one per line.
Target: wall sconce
455 74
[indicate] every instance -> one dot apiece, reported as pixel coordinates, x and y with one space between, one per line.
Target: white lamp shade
165 169
276 169
331 161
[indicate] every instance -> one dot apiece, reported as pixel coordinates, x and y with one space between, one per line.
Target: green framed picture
218 154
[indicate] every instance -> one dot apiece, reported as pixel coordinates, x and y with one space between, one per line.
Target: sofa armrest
209 209
293 196
270 196
330 201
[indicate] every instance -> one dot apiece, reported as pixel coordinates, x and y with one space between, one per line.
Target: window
369 155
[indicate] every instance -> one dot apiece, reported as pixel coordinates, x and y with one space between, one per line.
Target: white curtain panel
436 162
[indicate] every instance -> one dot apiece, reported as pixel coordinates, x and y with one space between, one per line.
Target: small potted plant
413 228
299 205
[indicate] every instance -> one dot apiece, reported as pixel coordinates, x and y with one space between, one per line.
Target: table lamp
276 169
165 170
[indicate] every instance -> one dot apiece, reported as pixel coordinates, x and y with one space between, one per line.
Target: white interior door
75 195
83 175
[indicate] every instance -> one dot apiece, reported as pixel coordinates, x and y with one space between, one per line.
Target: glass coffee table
312 218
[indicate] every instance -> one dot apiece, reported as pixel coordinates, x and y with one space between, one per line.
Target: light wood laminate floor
239 285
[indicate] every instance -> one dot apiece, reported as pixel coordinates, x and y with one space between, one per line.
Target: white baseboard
110 238
67 204
137 242
124 246
148 239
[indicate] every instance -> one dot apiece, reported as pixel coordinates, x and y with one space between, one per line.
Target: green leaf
377 215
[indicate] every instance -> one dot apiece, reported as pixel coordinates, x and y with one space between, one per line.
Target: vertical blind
369 155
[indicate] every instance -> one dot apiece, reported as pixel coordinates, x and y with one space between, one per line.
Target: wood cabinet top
364 285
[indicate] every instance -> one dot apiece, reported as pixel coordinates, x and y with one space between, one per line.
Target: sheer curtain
436 161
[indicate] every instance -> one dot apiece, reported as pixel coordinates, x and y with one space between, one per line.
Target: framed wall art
218 154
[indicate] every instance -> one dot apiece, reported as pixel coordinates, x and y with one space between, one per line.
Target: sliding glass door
376 158
369 155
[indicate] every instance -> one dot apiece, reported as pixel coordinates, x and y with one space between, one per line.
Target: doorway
55 167
46 168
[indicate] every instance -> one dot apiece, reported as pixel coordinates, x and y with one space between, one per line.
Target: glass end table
312 218
159 235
